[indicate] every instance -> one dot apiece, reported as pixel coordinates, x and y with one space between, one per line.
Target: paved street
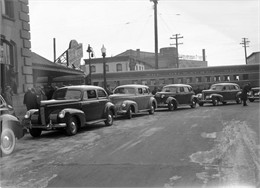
202 147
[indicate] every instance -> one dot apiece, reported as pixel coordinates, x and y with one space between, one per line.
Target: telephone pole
245 42
177 44
155 33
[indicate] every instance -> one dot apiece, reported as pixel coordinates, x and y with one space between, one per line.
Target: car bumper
205 101
46 127
162 105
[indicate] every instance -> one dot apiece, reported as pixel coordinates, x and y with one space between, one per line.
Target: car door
180 96
90 105
140 98
226 93
147 96
188 94
102 101
233 92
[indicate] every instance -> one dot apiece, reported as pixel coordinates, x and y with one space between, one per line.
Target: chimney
203 55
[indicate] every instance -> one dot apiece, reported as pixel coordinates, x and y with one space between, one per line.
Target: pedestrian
40 95
8 96
245 90
30 99
154 90
109 91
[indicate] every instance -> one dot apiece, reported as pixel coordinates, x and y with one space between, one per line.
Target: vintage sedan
132 99
11 128
70 108
174 95
254 94
221 92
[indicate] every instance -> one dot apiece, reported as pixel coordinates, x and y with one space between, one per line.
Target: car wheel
8 141
110 118
171 106
201 103
215 101
129 113
224 102
35 132
72 126
193 103
151 111
251 100
239 100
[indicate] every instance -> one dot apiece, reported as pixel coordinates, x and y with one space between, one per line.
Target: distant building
254 58
115 64
167 58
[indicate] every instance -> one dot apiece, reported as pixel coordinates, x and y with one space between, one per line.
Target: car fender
214 95
239 94
9 121
131 103
109 106
172 99
153 100
194 97
68 113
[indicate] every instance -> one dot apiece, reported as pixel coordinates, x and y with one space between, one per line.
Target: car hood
53 101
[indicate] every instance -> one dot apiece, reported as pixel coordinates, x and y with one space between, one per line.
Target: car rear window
65 94
216 87
124 90
170 89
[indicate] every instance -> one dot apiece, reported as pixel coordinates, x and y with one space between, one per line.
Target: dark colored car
221 92
254 94
70 108
133 98
11 128
174 95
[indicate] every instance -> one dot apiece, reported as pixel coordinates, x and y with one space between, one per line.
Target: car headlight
62 114
162 96
27 115
123 104
199 95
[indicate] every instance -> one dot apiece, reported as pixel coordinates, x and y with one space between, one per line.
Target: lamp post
90 51
103 51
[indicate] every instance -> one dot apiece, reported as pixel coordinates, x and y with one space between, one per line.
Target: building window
144 82
162 81
226 78
236 77
135 81
8 8
207 79
93 68
198 79
153 82
216 78
119 67
245 76
189 80
107 68
180 80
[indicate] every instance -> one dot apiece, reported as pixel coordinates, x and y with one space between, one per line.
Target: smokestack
203 55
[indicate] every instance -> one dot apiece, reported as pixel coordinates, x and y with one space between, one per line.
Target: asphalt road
202 147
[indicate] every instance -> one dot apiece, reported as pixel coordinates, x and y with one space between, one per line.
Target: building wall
16 30
254 58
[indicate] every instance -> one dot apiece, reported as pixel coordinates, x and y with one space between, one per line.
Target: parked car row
73 107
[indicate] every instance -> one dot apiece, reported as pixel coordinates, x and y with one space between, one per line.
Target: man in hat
245 90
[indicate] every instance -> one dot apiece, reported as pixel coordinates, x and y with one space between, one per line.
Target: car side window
92 94
237 87
145 91
226 88
232 87
101 93
140 91
181 89
85 96
186 90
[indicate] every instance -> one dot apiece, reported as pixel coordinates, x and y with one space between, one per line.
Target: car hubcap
73 126
110 119
152 109
7 141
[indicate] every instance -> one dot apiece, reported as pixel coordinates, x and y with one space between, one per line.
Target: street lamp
103 51
90 54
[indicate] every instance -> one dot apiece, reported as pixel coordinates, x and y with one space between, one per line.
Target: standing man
30 100
245 90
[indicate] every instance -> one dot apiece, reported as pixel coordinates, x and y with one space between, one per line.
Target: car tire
171 106
193 103
251 100
215 101
151 111
224 102
239 100
72 126
8 141
110 118
129 113
35 132
201 103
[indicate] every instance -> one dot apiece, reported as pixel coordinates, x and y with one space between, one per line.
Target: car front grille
42 114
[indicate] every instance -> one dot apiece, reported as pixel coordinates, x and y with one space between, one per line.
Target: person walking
30 99
245 90
8 96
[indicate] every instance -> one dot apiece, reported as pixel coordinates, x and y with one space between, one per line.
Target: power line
177 44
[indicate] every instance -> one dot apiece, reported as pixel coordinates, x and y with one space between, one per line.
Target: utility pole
176 43
245 42
155 33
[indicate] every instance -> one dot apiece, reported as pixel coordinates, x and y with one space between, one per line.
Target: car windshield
65 94
170 89
124 90
216 87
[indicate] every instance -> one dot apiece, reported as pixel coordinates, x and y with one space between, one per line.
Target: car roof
224 84
177 85
132 85
81 87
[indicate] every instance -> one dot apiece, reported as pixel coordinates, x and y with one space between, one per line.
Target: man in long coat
245 90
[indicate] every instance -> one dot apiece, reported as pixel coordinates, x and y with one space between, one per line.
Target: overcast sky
216 26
